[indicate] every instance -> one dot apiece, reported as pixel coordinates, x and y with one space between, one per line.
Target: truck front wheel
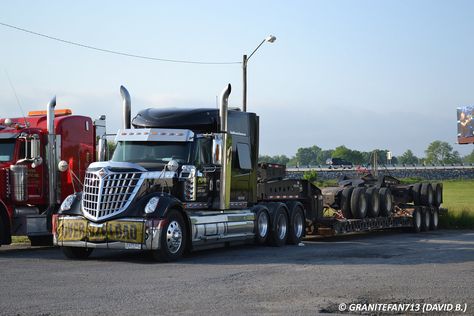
76 252
172 239
262 225
297 226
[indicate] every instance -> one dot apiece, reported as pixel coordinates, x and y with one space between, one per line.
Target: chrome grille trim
108 193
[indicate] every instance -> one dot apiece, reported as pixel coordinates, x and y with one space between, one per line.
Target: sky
364 74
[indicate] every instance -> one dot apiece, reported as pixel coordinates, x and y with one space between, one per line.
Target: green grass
458 198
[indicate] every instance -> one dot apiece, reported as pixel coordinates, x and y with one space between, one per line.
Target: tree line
437 153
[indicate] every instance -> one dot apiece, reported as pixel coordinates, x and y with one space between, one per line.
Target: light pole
269 39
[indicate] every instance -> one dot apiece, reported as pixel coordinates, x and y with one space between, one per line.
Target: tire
76 252
262 225
416 193
417 220
438 194
346 202
297 225
434 222
427 194
279 232
386 202
425 219
41 240
172 239
359 203
373 202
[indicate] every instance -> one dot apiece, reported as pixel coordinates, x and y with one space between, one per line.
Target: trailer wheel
386 201
262 225
373 202
76 252
346 202
426 194
416 220
425 219
359 203
434 219
297 225
279 232
172 239
416 193
438 194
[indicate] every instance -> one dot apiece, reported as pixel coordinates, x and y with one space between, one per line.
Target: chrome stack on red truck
188 179
31 186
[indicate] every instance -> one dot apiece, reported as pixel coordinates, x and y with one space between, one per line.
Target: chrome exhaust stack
51 155
127 107
225 152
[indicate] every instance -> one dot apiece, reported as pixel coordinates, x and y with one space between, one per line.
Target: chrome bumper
151 239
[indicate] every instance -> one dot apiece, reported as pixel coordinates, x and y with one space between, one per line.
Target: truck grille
108 193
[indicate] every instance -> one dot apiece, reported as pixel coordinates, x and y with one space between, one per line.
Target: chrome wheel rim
281 229
298 227
262 224
174 237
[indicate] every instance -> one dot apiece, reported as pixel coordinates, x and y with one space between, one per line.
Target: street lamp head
271 39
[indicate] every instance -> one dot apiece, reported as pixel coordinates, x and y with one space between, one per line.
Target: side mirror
217 144
63 166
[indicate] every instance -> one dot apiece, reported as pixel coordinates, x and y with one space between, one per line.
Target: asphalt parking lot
380 267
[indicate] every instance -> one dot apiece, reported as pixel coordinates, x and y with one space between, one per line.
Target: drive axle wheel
279 232
76 252
297 225
172 239
262 225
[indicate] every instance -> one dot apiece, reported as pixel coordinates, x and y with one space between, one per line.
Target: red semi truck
31 187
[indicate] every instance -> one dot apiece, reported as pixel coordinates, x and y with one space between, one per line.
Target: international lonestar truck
185 179
31 187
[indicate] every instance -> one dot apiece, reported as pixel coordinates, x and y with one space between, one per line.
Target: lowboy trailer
187 179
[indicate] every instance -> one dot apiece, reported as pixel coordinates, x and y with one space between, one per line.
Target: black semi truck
187 179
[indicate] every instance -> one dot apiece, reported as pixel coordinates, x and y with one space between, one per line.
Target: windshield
6 150
154 152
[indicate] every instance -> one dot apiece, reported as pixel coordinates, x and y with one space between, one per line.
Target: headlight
67 203
151 205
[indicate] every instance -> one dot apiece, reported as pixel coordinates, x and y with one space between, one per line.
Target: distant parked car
335 163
